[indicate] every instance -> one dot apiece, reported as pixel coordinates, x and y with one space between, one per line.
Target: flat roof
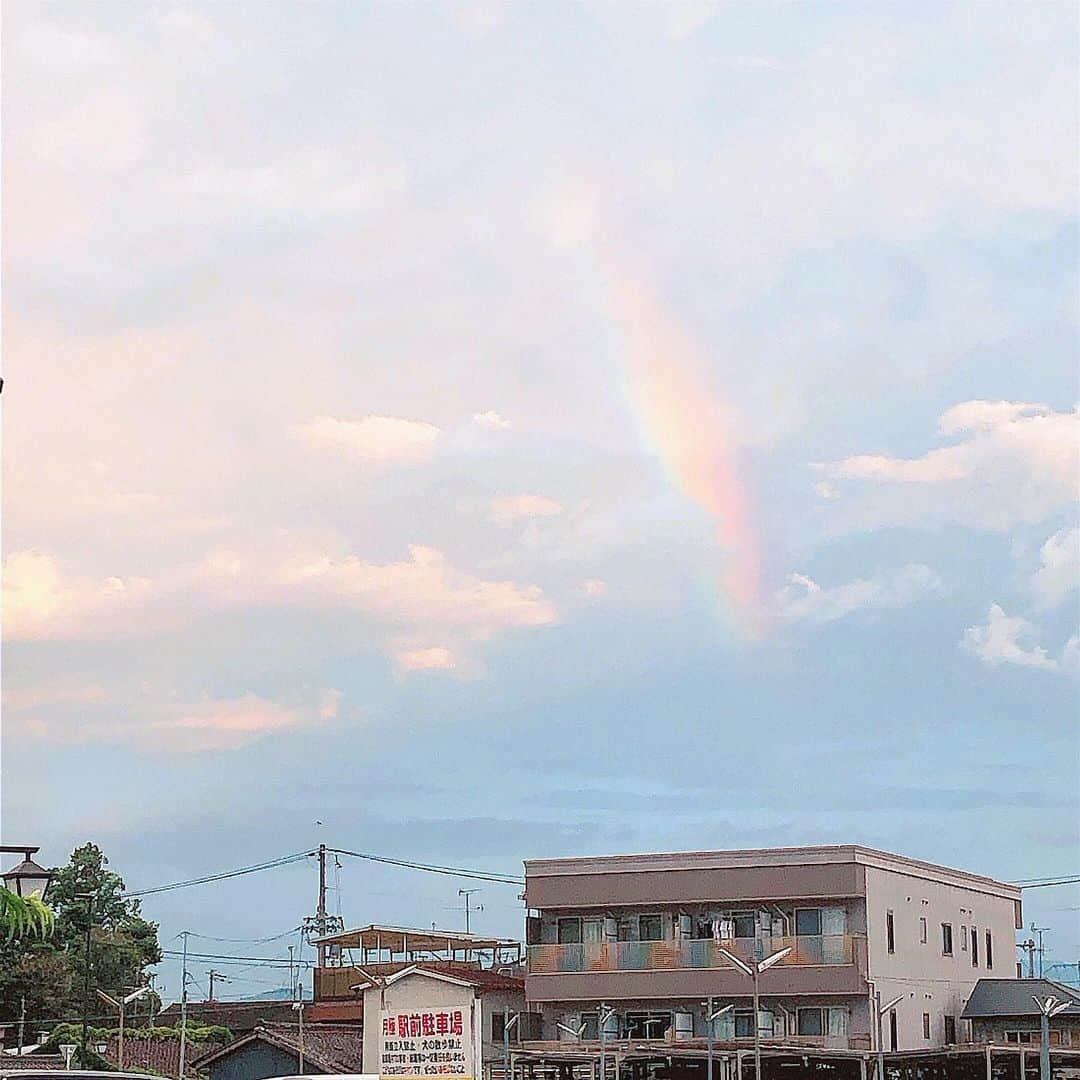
764 857
400 939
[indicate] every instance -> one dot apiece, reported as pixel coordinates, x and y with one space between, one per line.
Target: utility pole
22 1022
1040 930
292 977
467 894
320 913
183 1005
211 976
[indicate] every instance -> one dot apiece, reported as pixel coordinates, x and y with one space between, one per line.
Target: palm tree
24 916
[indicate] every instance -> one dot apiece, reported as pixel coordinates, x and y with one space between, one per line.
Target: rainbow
684 421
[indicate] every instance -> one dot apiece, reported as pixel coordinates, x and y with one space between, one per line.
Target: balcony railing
685 953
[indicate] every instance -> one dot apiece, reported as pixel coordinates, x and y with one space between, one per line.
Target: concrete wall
931 981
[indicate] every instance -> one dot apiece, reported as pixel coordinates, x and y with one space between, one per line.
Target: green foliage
24 917
49 971
196 1034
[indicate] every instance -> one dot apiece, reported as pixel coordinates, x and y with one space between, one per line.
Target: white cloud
381 439
506 511
1059 573
1006 639
594 588
1014 463
1070 655
431 658
803 598
491 420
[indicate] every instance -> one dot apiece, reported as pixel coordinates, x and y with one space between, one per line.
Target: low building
1004 1011
239 1017
440 1018
275 1050
646 939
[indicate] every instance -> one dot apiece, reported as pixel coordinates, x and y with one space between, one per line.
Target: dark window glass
811 1022
569 931
745 925
894 1038
590 1030
498 1026
808 922
744 1025
946 938
890 931
950 1030
974 947
650 927
926 1025
647 1025
989 951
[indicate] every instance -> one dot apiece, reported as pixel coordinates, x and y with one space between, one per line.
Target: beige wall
931 981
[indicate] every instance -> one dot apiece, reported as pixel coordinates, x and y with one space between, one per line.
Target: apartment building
649 936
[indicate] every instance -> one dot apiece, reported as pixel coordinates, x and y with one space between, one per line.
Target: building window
590 1029
744 1025
811 1022
963 938
647 1025
808 922
946 939
1024 1038
974 947
569 931
922 930
890 931
989 951
745 924
926 1025
894 1037
950 1030
498 1026
650 928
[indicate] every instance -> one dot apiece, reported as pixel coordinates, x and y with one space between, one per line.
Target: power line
263 961
245 941
1045 883
270 864
431 868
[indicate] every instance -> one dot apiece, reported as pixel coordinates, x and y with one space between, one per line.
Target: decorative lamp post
27 878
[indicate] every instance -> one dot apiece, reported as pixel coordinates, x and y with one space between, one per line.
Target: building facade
649 936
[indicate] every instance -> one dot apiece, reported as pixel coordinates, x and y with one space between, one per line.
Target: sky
502 430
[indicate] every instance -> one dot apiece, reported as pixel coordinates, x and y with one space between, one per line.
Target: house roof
334 1048
398 939
147 1055
1015 997
237 1016
483 979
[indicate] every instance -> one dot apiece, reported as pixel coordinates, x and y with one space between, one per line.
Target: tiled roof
237 1016
483 979
334 1048
43 1062
1014 997
158 1055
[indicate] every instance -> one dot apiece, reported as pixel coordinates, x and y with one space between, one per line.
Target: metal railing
828 949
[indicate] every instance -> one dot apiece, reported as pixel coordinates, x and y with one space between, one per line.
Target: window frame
742 1014
567 920
890 931
974 946
946 939
736 916
809 910
822 1028
650 915
950 1030
926 1026
989 954
924 930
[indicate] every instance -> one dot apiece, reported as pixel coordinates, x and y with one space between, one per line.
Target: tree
49 973
23 917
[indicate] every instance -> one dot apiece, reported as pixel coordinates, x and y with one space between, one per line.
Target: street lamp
120 1004
881 1011
603 1014
1048 1009
752 969
26 879
298 1008
710 1019
509 1023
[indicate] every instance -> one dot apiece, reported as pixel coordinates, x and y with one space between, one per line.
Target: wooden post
989 1066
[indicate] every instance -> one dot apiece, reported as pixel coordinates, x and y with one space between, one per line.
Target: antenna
469 908
1040 930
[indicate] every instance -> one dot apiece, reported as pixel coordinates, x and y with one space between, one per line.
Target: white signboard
426 1043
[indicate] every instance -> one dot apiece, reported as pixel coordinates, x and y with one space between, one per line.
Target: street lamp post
121 1005
298 1008
88 899
1048 1008
753 969
880 1011
509 1022
603 1015
710 1019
